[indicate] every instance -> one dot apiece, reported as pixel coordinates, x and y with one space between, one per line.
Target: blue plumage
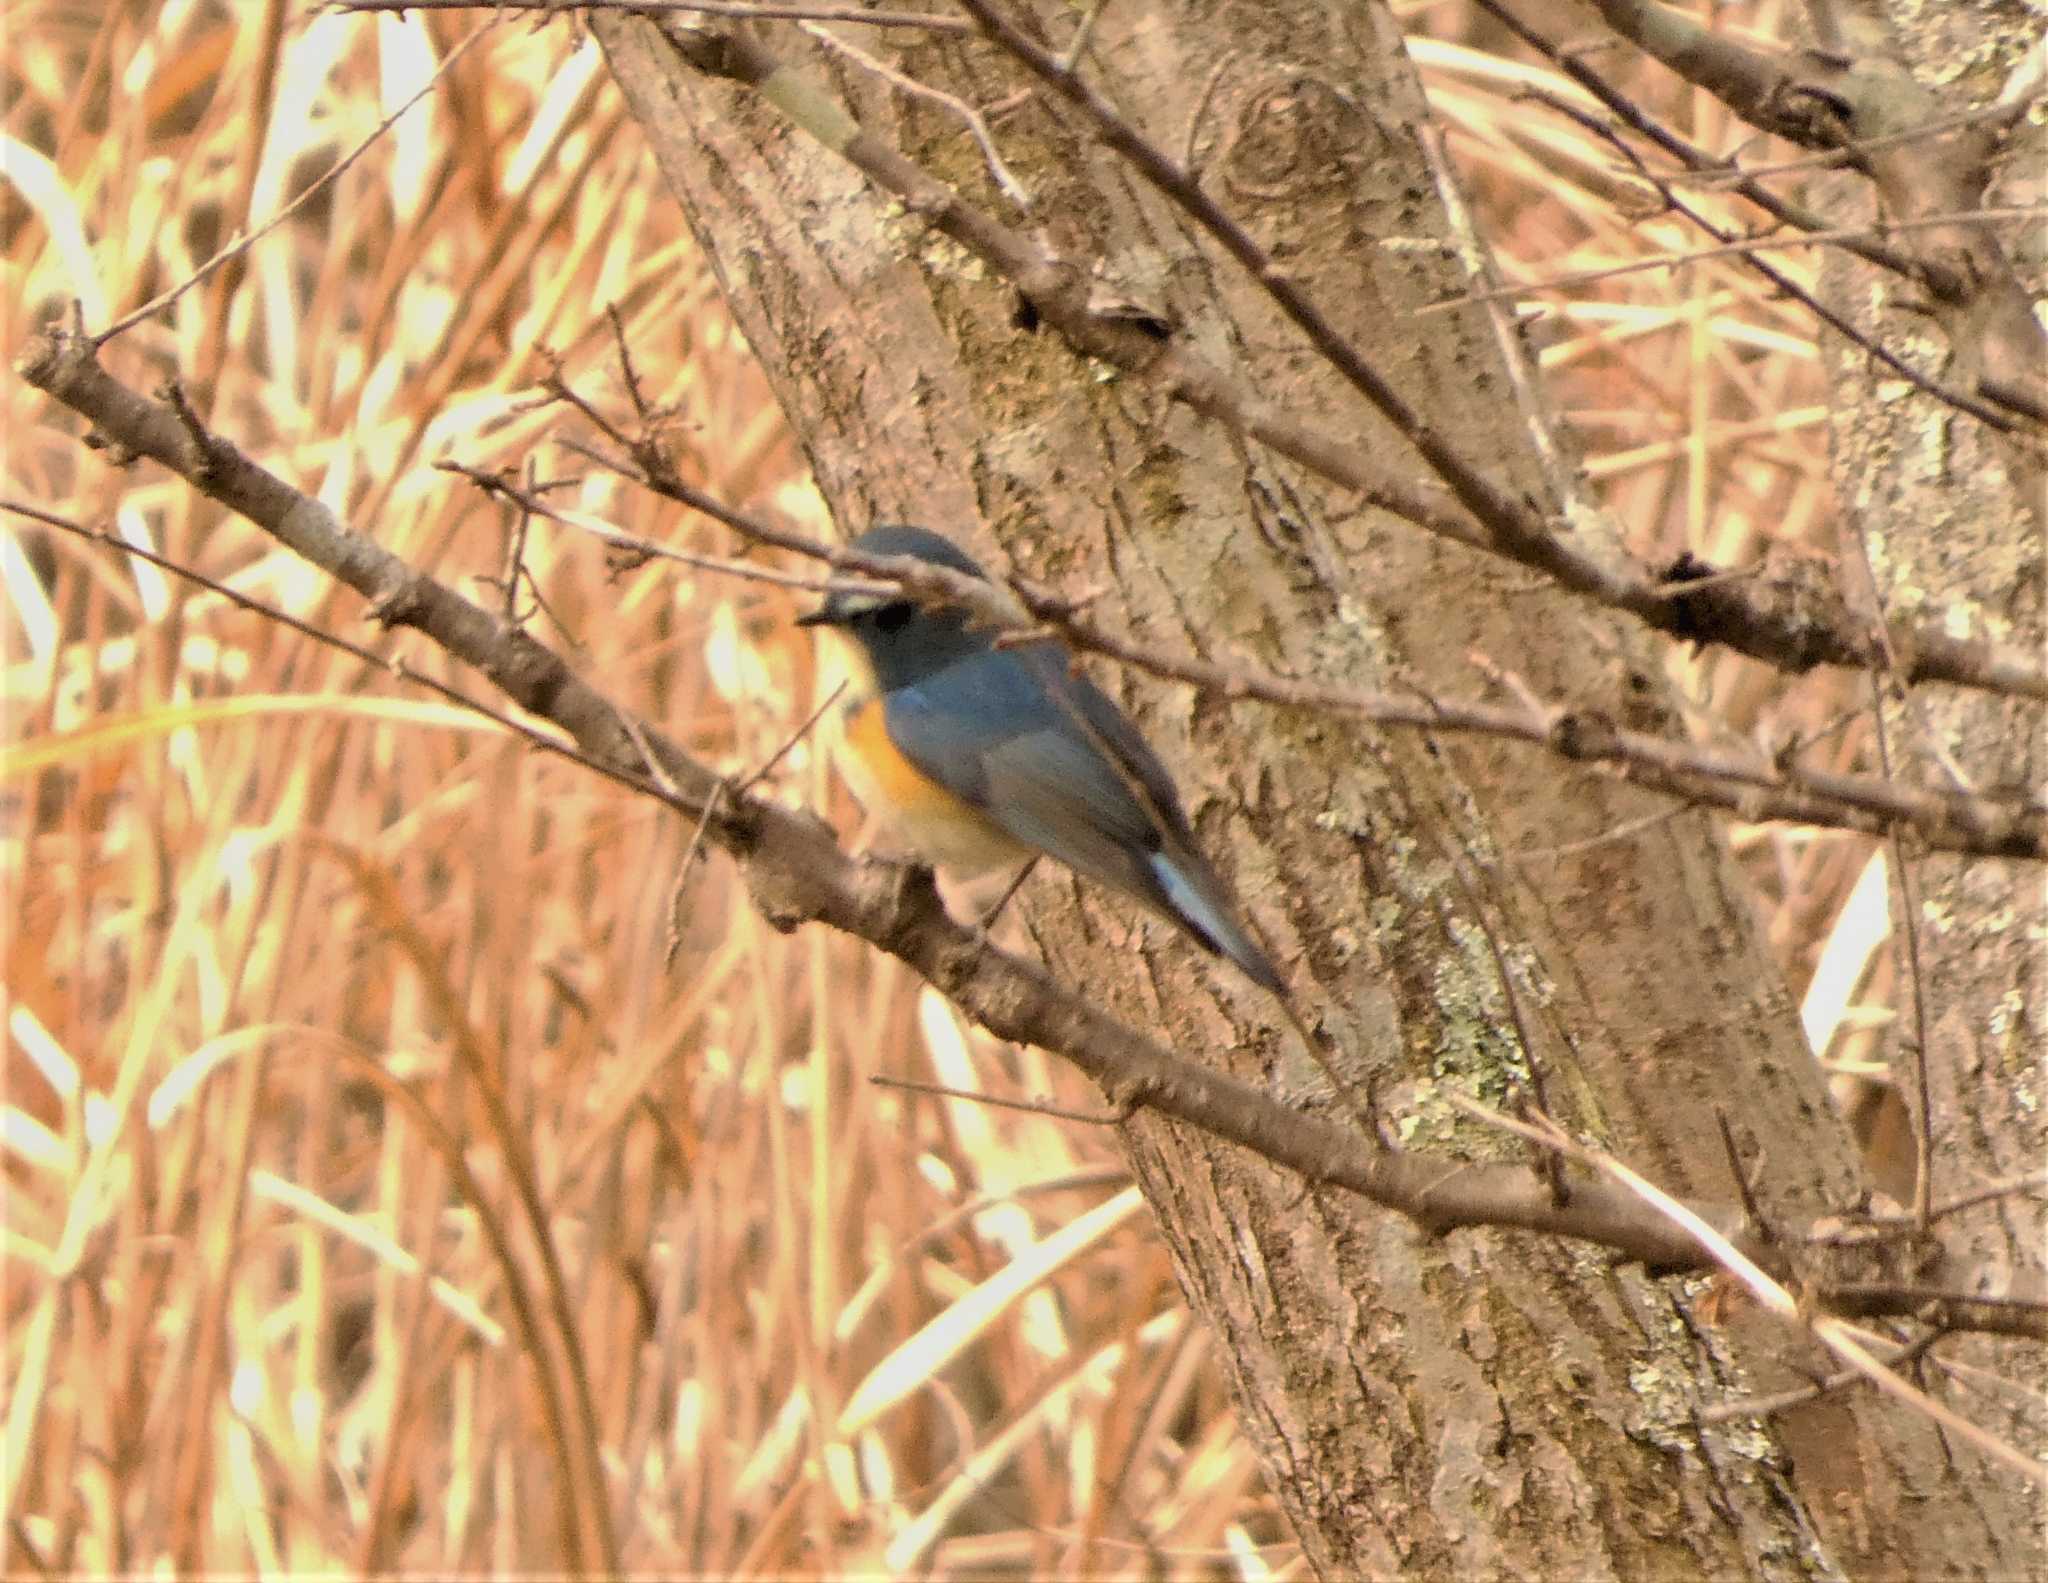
1038 751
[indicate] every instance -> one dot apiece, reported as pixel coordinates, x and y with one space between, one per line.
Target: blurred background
418 1157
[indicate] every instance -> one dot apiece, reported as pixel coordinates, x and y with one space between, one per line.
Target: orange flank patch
943 828
899 785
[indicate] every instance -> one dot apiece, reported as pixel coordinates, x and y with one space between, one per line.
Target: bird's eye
894 617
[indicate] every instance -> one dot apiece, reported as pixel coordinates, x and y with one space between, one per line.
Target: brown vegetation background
272 911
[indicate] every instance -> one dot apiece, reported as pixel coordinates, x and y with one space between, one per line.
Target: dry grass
378 1194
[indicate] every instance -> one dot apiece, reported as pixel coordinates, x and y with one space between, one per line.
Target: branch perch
796 873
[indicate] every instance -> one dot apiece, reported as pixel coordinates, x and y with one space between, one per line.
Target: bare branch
1962 401
1738 248
1853 97
1754 788
1799 1396
796 873
1791 618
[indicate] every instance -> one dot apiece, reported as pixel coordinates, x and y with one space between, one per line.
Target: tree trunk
1484 1402
1942 511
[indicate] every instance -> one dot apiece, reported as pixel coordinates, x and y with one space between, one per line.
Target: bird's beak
823 616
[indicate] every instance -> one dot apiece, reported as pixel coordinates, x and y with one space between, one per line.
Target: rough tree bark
1484 1403
1943 512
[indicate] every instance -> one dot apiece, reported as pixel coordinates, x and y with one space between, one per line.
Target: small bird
983 756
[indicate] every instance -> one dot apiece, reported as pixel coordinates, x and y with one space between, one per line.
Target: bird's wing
1048 757
1167 870
998 731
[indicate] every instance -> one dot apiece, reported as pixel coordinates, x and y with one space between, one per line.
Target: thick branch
796 872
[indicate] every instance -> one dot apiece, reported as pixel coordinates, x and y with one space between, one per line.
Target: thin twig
629 375
1799 1395
1077 46
672 945
1036 1107
1006 179
641 548
314 188
1743 1186
1754 788
1909 902
2031 1182
790 741
1852 148
1699 255
515 553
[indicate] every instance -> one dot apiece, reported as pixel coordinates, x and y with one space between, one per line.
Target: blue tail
1195 900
